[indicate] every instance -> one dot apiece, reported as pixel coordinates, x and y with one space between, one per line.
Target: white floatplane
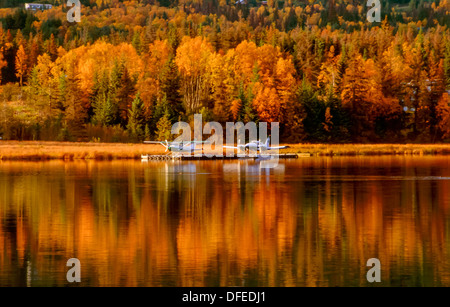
256 146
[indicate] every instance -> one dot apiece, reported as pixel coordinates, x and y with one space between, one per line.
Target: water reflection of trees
312 222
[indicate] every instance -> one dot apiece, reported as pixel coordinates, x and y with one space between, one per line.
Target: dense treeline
130 69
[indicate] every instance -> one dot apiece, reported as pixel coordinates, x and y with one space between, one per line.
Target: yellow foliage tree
21 64
192 59
222 87
267 104
149 82
329 71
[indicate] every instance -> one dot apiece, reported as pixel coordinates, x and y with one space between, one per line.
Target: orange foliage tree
21 64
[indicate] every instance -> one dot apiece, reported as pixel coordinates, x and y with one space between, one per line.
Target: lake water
308 222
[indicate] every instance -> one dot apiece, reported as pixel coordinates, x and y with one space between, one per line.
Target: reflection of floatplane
253 167
180 168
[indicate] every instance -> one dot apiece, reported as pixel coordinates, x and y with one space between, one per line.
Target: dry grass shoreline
37 150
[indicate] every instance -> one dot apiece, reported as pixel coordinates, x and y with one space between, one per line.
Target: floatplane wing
266 146
239 146
183 146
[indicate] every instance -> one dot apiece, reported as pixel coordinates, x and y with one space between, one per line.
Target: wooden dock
224 157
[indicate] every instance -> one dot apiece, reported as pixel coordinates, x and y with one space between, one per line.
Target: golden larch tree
21 64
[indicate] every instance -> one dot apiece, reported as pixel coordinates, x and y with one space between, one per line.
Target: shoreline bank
37 150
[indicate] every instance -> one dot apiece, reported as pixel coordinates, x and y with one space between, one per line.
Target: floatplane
255 146
176 147
179 148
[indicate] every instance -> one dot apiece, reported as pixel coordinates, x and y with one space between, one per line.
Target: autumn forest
130 69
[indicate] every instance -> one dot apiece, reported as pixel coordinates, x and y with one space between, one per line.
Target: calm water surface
308 222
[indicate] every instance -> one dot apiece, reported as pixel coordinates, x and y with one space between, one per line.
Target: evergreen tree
124 96
74 104
115 77
136 119
158 111
353 96
136 42
173 37
104 109
314 110
163 128
33 82
170 88
247 112
147 134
